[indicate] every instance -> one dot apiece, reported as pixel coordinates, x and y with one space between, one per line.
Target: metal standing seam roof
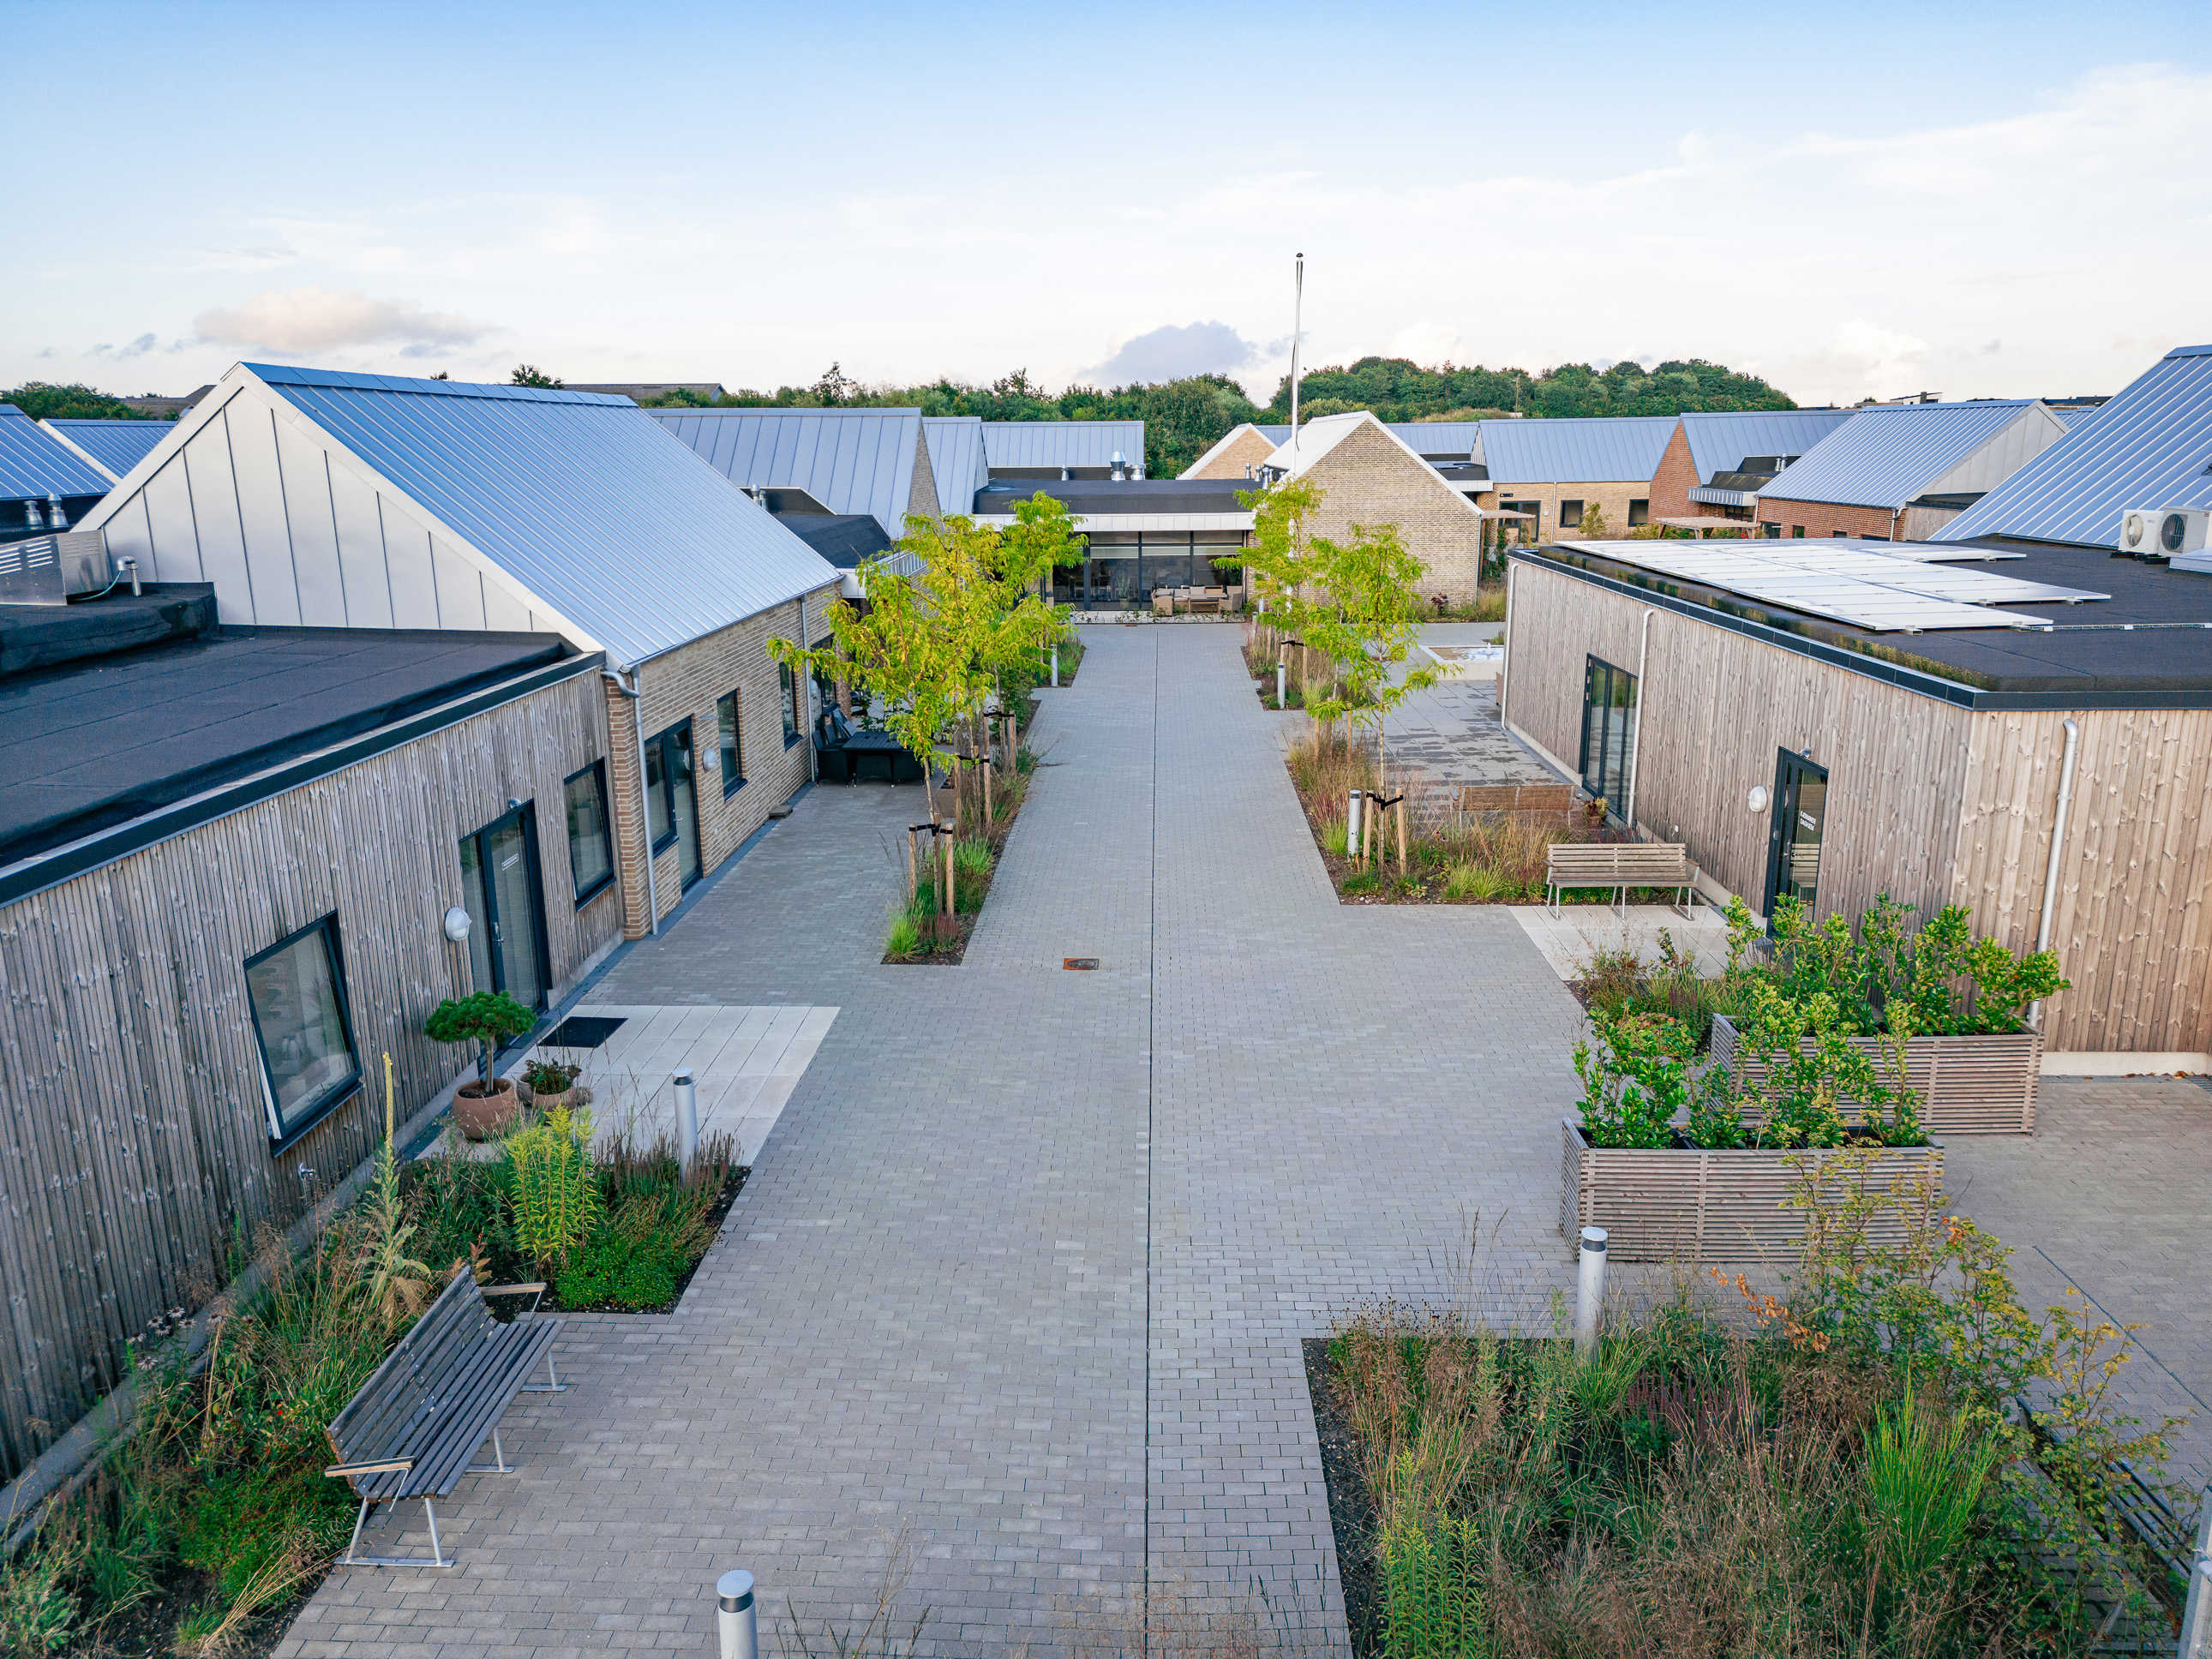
1426 438
580 498
1886 455
1719 439
115 446
34 462
1062 443
1594 449
955 459
851 460
2150 445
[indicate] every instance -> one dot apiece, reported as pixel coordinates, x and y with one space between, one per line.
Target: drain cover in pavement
1084 963
581 1031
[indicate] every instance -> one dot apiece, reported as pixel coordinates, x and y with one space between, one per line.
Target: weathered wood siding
1929 802
2131 927
1715 709
135 1157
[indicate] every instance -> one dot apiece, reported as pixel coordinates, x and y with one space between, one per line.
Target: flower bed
1698 1204
1975 1084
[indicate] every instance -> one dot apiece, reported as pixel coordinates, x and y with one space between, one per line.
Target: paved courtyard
1023 1268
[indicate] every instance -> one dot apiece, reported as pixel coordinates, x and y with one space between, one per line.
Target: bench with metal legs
412 1429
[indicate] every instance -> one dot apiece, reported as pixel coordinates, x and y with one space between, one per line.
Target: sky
1852 202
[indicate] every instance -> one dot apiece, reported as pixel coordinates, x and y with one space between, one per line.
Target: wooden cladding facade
1928 801
135 1150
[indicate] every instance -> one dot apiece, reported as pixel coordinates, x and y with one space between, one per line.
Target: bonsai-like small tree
486 1018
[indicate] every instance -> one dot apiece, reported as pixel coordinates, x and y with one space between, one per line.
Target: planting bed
1981 1083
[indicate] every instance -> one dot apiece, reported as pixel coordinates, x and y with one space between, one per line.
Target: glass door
504 897
1608 732
684 799
1801 813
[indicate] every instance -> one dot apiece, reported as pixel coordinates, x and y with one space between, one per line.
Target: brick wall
1613 499
1676 477
685 684
1369 478
1249 449
1825 518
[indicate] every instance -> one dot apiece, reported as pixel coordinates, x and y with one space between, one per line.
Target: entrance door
1801 816
502 891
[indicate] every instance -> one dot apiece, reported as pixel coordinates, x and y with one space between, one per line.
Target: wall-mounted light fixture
457 925
1756 800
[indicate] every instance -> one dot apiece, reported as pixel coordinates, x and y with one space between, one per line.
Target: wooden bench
1618 864
411 1430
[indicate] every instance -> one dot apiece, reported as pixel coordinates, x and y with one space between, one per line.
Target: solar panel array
1885 591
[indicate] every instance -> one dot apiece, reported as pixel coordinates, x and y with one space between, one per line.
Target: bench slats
436 1396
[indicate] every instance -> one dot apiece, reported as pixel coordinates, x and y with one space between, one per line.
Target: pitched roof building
818 460
1901 471
2150 445
113 446
45 485
1715 461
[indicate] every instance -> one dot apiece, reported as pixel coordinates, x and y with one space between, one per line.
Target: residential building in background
2148 446
1715 464
1901 471
639 392
812 462
112 447
1552 472
47 486
312 498
1368 475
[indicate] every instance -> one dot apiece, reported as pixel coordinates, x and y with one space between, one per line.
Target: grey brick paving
1025 1263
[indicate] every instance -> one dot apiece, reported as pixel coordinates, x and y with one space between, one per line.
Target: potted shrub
1969 1055
551 1084
1682 1165
489 1105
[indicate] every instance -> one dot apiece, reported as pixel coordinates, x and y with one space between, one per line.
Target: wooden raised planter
1684 1204
1971 1086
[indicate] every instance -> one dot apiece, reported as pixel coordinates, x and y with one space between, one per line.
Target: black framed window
1800 821
1608 732
296 990
792 724
729 731
590 841
1796 530
660 791
1640 512
1570 514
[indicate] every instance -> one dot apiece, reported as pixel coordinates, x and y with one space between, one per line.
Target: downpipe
1636 755
2057 846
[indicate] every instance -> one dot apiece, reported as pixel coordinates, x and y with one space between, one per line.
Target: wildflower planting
1891 1456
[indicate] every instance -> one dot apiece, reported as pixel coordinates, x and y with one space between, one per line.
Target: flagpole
1297 333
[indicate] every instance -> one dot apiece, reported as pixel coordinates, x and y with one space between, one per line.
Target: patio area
1027 1255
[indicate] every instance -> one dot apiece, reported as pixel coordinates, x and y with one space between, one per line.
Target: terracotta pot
541 1101
482 1115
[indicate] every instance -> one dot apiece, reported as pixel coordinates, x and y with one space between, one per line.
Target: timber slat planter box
1685 1204
1972 1085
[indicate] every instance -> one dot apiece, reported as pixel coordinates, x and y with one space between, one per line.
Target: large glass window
671 807
591 846
793 723
297 988
1570 514
1608 732
731 742
1801 818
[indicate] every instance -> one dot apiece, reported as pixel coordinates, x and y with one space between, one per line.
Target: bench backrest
418 1378
1663 863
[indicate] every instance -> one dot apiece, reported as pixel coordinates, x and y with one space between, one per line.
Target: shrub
1635 1079
904 939
618 1272
487 1018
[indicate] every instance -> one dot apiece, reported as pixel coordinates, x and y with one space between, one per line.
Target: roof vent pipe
56 519
32 517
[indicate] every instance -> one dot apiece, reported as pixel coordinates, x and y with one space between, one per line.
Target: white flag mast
1297 333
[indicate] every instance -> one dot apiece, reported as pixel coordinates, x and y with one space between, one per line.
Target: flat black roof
2148 646
100 742
1095 495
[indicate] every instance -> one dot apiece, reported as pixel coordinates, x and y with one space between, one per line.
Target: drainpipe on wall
813 755
1505 668
2057 845
644 806
1895 517
1636 755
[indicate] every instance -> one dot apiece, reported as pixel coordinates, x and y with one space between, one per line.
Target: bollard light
1282 688
734 1613
1055 667
1589 1292
1352 825
687 1118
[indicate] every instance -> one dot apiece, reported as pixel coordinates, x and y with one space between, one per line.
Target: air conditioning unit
2160 534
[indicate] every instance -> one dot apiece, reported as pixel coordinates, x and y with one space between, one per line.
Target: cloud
319 318
1174 349
138 348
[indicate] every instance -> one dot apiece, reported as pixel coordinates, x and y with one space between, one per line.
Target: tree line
1397 389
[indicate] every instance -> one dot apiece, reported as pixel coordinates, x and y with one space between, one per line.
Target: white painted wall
294 532
2031 432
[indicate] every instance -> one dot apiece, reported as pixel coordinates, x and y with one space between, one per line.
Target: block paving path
1022 1272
